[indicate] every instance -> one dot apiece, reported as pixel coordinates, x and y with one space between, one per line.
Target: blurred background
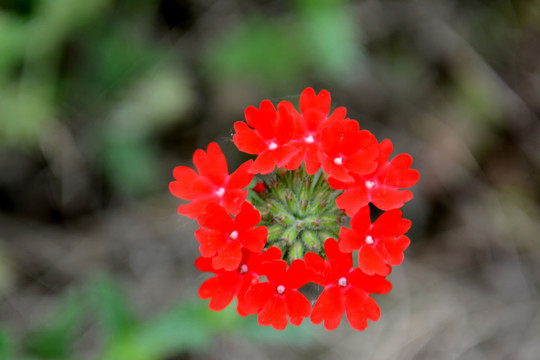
101 99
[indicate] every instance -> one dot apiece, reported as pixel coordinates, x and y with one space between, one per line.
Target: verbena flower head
303 220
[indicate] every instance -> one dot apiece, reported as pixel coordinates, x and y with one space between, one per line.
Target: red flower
279 297
222 237
381 187
259 187
212 184
378 244
347 150
225 285
346 289
313 116
296 212
269 136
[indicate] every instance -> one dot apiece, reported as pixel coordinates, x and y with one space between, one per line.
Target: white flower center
234 235
342 281
338 160
370 184
280 289
309 139
272 146
220 192
369 240
243 269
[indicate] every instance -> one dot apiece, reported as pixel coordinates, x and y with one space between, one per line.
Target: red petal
353 199
361 221
295 162
318 265
210 241
298 275
390 223
284 154
211 164
248 217
247 280
385 149
228 257
233 200
359 308
395 249
409 178
216 217
338 185
220 289
194 208
275 271
338 114
321 102
258 295
371 262
313 119
204 264
352 139
274 313
399 173
201 186
363 162
241 177
330 138
371 284
329 307
341 262
307 99
312 159
298 307
247 139
182 187
334 170
255 239
263 120
350 240
264 164
255 262
285 127
387 199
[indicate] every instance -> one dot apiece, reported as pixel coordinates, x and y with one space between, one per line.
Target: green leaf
24 111
258 49
55 19
331 40
114 314
119 59
187 327
131 165
55 338
5 345
12 42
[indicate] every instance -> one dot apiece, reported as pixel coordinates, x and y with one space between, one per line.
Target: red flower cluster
233 241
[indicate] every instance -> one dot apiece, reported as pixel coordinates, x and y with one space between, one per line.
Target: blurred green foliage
5 345
94 68
318 38
102 307
117 80
56 338
67 59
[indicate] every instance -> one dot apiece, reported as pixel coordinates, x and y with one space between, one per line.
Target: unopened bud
296 251
289 235
274 232
310 240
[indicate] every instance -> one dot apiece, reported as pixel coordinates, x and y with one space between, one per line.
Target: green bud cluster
299 211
